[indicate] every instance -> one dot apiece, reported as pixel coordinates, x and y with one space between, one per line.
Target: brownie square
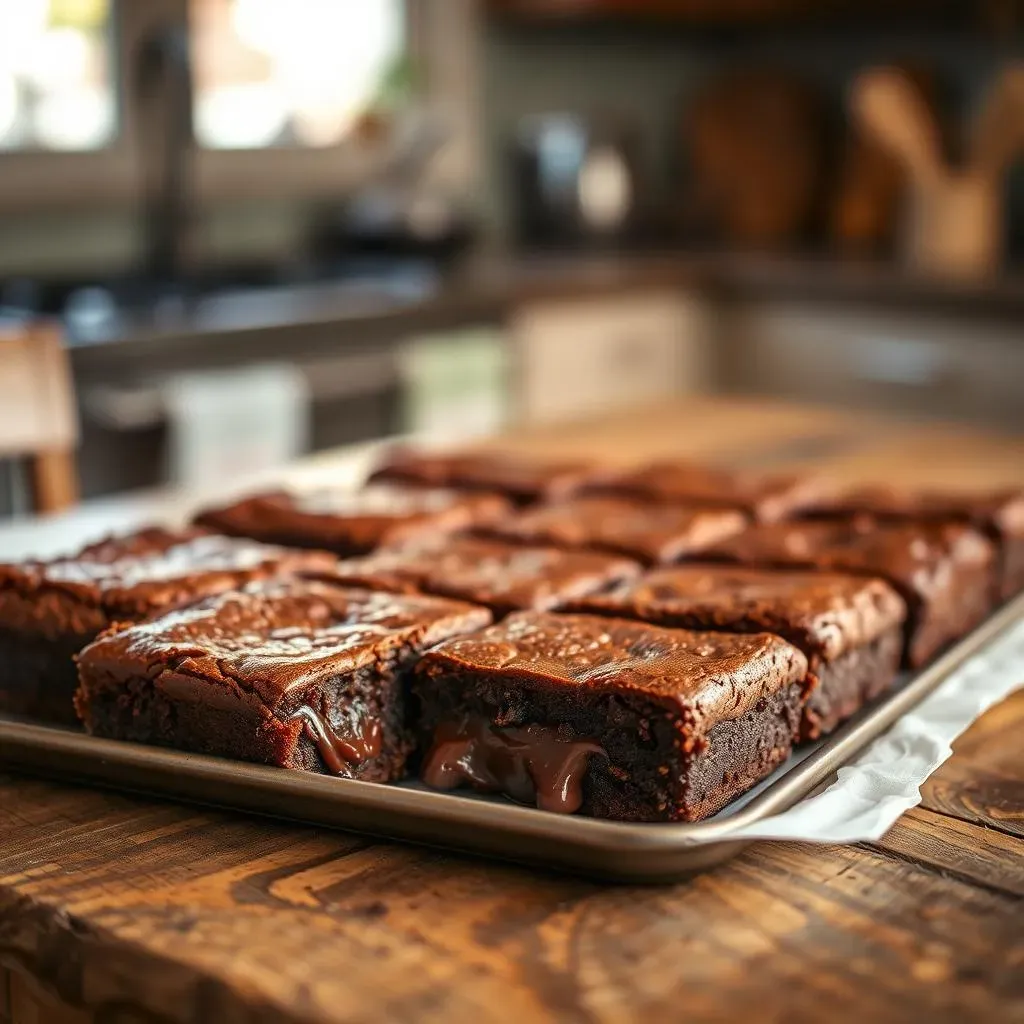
296 673
944 571
612 718
651 533
849 627
521 478
504 577
353 522
766 498
49 610
998 514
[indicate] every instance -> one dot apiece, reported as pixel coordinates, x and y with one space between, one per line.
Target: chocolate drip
340 752
531 764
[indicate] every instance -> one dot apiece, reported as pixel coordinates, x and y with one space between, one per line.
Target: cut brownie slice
616 719
522 478
766 498
944 571
850 628
353 522
652 533
50 610
998 514
295 673
504 577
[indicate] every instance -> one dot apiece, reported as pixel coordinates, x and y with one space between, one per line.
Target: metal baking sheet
490 826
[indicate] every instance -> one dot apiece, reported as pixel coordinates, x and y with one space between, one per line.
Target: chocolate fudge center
272 673
532 764
618 719
273 639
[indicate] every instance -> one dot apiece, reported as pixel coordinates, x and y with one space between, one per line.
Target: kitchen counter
121 908
248 323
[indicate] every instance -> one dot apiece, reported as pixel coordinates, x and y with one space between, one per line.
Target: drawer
578 358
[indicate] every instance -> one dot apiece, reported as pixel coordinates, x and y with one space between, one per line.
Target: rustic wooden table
117 908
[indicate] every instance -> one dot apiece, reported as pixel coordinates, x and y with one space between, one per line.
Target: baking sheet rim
609 849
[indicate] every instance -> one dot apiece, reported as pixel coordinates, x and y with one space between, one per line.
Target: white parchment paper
885 780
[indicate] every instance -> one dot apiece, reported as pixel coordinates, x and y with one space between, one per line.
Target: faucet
163 90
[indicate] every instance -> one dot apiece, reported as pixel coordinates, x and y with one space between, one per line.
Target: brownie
998 514
522 478
651 533
849 627
944 571
351 522
50 610
504 577
296 673
612 718
766 498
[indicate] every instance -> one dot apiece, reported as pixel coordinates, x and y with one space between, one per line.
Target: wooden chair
38 418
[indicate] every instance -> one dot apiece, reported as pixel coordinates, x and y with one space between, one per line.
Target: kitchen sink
100 311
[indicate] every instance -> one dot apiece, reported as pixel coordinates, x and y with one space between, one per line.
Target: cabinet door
899 363
584 357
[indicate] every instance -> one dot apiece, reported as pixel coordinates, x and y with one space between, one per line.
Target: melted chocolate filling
531 764
340 752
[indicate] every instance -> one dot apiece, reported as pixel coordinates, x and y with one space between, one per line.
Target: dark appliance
575 183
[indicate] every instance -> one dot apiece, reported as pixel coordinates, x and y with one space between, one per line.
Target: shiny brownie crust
296 673
523 479
945 572
848 627
649 532
49 610
351 523
998 514
765 498
688 721
503 577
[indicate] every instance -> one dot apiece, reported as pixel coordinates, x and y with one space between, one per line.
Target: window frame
110 177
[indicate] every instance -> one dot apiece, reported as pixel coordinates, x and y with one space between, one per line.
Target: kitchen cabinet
724 12
454 384
576 358
906 364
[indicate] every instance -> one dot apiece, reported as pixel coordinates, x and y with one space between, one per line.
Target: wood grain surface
123 909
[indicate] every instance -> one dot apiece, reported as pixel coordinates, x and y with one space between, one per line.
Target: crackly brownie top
153 569
766 497
354 519
274 637
822 612
999 510
652 532
917 558
502 576
521 477
708 676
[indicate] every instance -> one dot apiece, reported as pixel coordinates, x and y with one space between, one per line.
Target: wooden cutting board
754 142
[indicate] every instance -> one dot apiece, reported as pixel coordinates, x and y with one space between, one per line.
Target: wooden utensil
755 148
872 181
955 216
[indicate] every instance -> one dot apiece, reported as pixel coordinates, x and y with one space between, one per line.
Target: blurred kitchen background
236 231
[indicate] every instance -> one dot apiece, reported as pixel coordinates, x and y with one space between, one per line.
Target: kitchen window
57 88
295 73
291 97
